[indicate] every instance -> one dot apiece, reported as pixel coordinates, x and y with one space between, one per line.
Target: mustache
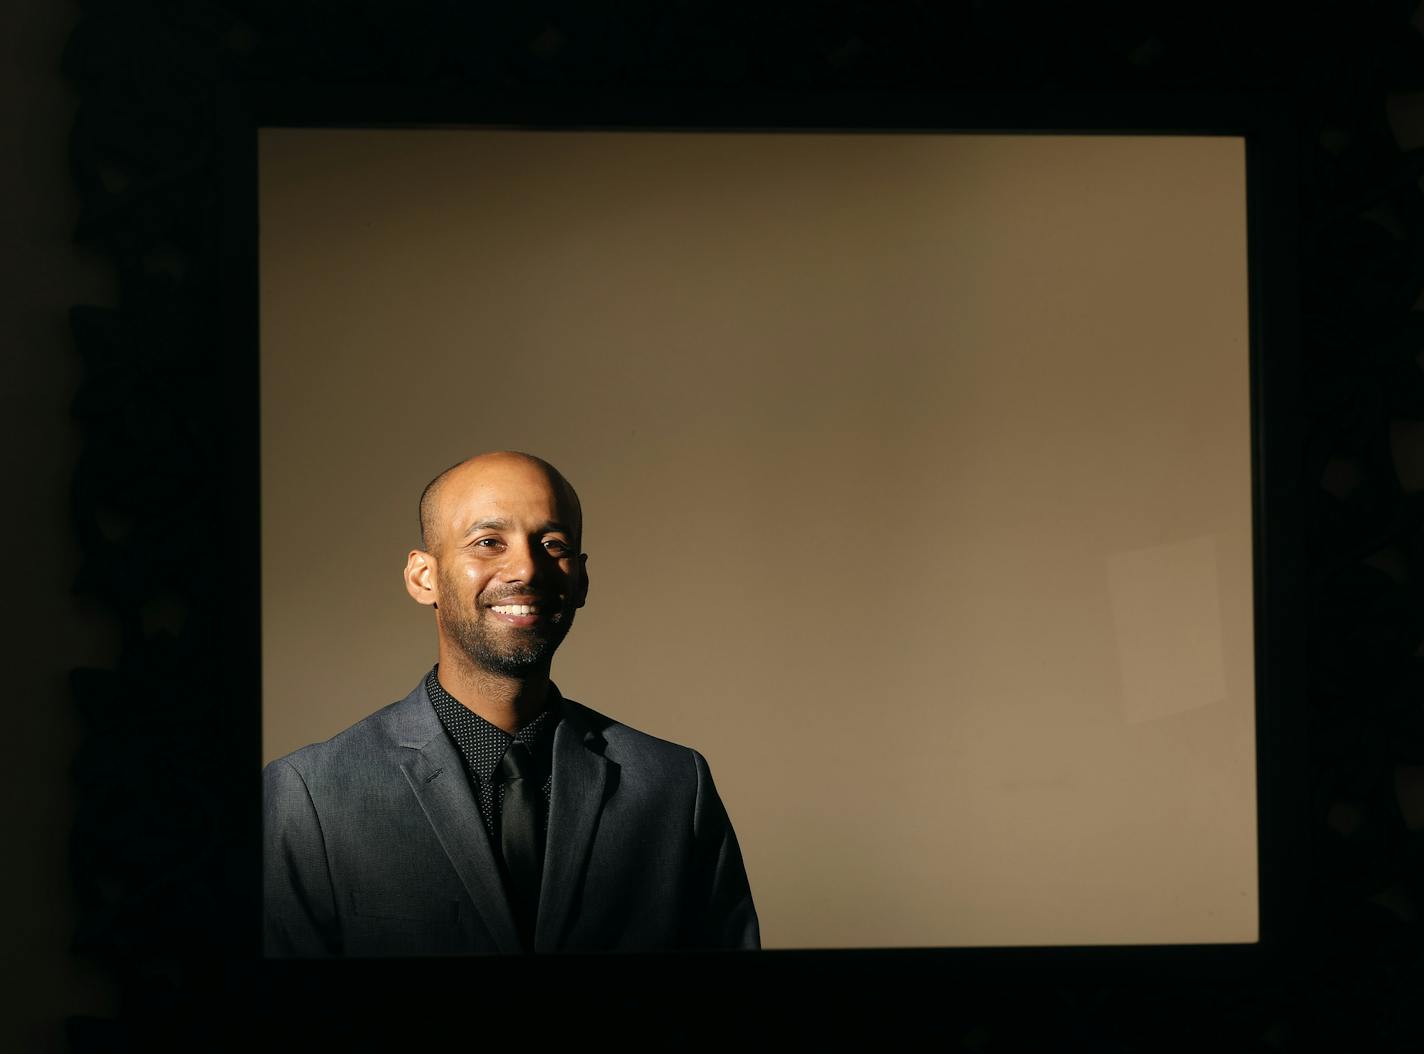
540 599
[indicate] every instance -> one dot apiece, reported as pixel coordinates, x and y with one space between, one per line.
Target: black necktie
519 836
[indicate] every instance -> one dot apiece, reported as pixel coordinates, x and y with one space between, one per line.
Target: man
485 812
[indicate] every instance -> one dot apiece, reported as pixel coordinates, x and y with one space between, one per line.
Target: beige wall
915 472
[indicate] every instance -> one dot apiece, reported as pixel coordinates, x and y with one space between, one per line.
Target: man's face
509 573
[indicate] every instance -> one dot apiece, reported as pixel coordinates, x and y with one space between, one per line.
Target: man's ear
420 578
583 580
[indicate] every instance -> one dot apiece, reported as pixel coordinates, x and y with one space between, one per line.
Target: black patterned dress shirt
482 746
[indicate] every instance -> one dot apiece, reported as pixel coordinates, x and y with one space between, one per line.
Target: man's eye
556 546
488 543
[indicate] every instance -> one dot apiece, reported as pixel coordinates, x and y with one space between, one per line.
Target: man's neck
508 703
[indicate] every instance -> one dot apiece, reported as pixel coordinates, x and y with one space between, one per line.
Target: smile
515 609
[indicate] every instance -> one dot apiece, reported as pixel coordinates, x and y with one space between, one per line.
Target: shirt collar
482 744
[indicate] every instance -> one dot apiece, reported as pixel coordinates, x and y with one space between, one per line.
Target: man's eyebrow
487 525
504 525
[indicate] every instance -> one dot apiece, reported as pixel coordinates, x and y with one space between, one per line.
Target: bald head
432 498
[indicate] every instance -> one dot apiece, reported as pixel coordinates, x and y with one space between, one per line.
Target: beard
497 647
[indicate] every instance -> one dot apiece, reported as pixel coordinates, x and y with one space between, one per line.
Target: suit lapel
437 779
575 802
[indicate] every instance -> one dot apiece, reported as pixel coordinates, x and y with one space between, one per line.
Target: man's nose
526 562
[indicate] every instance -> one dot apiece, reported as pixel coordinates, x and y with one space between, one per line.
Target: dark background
117 896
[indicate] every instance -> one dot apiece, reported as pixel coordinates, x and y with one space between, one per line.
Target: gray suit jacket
373 845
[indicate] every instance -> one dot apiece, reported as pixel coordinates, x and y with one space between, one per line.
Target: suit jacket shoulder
624 742
409 722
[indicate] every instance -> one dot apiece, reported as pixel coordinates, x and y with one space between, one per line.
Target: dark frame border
161 795
1266 125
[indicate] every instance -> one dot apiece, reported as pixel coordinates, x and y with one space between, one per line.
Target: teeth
513 609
